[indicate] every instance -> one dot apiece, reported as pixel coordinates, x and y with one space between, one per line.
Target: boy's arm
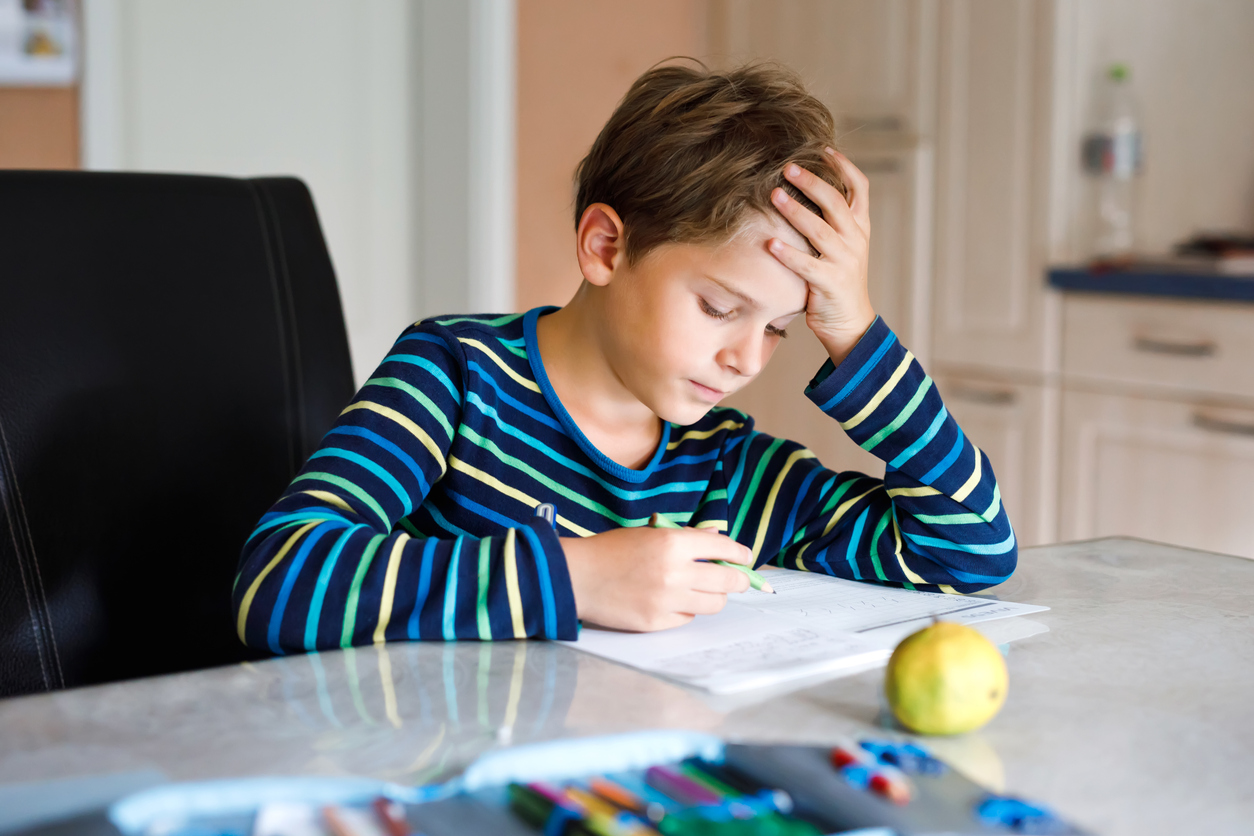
324 567
935 521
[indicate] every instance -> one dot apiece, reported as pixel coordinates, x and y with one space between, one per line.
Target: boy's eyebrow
748 300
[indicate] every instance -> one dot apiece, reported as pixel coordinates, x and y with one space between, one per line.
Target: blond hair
689 153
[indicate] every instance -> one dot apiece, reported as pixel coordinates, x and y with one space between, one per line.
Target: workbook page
814 624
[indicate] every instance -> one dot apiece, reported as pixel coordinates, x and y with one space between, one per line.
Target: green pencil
755 580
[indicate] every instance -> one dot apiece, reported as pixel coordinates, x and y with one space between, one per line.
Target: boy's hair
689 153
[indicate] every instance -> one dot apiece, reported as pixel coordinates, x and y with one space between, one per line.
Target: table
1134 714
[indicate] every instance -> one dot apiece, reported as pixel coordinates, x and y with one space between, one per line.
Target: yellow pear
945 679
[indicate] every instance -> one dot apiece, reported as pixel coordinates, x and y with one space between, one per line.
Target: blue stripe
851 554
482 510
734 485
909 453
285 591
968 548
514 402
320 588
401 455
450 594
704 457
295 518
945 463
424 588
862 372
365 463
427 365
443 523
796 505
546 582
571 464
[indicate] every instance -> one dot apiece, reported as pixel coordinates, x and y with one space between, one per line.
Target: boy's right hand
652 578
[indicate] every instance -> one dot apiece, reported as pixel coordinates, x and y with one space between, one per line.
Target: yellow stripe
519 379
760 537
920 491
389 587
513 493
944 587
247 603
414 430
898 373
966 489
911 576
511 585
331 499
840 512
844 507
726 425
389 689
515 685
720 525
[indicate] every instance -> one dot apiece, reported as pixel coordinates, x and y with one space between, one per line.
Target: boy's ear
599 243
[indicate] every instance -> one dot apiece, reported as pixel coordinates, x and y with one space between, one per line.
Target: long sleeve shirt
416 517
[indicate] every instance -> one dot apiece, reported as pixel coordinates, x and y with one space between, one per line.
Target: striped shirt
416 517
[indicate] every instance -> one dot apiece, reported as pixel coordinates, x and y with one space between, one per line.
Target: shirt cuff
563 624
842 390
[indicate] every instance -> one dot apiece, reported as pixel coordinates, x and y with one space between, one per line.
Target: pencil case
671 783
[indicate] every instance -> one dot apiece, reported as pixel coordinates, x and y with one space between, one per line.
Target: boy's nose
744 357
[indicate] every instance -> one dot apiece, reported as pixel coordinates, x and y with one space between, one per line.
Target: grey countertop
1133 714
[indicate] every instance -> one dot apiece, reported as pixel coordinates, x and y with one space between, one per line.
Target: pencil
755 580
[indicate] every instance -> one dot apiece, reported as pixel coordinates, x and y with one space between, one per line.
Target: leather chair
171 350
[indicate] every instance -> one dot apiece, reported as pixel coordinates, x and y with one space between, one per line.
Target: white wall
365 100
1192 64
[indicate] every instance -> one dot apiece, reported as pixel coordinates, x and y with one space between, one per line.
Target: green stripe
481 602
875 544
411 528
994 506
341 482
354 590
395 383
500 320
752 490
519 464
715 496
513 349
902 417
949 519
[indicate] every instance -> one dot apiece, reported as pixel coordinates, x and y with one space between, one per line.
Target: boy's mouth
707 393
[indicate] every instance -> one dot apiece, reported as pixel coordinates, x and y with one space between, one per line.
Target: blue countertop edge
1176 285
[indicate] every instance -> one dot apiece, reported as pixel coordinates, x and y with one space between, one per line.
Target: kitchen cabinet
1175 471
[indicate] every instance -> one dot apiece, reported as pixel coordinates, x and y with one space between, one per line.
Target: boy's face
689 324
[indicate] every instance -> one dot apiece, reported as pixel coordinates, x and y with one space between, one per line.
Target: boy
711 212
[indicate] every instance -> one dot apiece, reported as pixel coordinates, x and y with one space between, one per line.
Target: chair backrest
171 350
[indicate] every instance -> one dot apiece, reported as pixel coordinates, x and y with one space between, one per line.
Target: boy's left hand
838 309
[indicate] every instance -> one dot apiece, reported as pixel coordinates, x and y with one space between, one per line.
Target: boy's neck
582 374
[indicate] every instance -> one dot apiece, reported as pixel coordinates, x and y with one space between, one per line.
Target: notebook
814 624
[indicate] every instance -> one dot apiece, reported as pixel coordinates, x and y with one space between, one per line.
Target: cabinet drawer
1160 344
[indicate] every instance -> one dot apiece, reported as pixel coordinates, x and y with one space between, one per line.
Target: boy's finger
803 264
857 184
835 210
702 603
710 545
816 229
711 577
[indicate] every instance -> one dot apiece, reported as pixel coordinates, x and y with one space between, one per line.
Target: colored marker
755 580
621 796
684 790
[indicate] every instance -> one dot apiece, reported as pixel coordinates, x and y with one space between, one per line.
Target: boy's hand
838 309
652 578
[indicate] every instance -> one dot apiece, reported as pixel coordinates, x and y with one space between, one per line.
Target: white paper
814 625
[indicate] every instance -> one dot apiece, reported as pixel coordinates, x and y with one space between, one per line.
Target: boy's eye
712 311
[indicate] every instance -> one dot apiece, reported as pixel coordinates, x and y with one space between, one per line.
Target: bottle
1112 157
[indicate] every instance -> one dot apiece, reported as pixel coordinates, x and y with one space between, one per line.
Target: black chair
171 350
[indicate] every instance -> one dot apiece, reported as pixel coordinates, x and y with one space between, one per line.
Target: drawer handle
1218 425
1152 346
991 397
